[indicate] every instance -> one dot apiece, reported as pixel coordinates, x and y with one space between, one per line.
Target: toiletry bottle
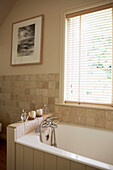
45 109
24 116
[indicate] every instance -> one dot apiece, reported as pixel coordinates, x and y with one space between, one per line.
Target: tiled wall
96 118
26 91
33 91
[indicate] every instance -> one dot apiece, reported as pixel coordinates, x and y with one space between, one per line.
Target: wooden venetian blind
88 57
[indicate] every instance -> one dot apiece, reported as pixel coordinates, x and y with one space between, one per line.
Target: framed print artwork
27 41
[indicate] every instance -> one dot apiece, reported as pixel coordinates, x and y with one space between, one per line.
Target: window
88 57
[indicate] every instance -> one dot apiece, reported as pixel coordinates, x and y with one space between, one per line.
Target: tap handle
49 118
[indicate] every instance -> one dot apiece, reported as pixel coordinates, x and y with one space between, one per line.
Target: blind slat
88 57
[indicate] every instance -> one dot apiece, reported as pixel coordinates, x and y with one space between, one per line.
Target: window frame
67 14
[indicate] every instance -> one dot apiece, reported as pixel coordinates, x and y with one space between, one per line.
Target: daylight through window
88 58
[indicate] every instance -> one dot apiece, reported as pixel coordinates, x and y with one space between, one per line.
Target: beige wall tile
51 100
3 78
33 77
74 110
66 117
82 112
58 109
32 98
27 98
45 92
29 127
91 122
91 113
20 84
39 77
100 119
44 77
67 110
45 85
63 164
8 77
27 91
21 104
73 118
32 84
28 77
51 76
38 84
33 91
51 93
19 131
109 115
109 125
13 77
51 108
39 92
38 100
51 84
82 121
21 77
44 100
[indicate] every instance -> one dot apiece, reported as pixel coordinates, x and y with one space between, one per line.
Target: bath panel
78 148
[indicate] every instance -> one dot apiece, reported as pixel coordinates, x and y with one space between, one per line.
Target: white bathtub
92 143
84 145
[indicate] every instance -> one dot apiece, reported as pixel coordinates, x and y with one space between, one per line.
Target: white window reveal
88 57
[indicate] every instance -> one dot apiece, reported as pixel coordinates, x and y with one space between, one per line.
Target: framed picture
27 41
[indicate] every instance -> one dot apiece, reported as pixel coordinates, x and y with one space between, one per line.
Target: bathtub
83 145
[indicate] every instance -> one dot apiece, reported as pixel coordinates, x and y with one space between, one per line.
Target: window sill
85 106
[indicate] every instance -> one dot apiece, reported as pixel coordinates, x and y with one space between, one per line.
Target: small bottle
24 116
45 109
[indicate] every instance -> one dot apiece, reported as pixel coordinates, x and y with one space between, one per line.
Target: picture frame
27 41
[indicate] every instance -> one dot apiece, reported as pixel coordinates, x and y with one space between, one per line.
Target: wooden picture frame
27 41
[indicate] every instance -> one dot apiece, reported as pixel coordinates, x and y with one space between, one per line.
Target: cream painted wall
52 25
